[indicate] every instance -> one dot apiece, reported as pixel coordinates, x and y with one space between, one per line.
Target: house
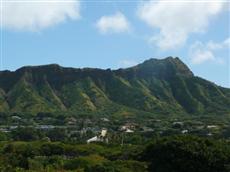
131 126
129 131
100 138
105 119
123 128
212 126
13 127
71 121
103 132
184 131
16 118
94 139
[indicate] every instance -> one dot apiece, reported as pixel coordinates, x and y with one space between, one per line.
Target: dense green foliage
157 86
174 154
188 154
42 156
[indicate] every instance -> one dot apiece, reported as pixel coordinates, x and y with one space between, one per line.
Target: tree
3 136
49 149
187 154
25 134
57 134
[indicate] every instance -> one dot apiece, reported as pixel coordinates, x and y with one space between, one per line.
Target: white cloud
113 24
35 16
176 20
127 63
217 46
199 54
202 52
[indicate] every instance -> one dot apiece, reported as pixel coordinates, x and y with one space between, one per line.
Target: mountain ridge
158 86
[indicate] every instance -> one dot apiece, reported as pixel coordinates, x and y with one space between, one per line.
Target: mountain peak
163 68
170 59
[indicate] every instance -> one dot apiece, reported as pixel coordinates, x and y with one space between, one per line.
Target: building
100 138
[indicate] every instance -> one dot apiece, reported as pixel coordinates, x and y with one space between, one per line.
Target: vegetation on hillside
164 86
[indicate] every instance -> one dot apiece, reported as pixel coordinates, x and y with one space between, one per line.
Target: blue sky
114 34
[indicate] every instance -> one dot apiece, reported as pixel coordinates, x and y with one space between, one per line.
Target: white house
129 131
101 138
94 139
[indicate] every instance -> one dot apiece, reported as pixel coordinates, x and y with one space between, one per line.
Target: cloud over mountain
177 20
200 52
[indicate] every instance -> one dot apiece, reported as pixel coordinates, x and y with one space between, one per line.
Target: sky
117 34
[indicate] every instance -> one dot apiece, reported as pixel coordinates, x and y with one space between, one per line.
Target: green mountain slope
164 86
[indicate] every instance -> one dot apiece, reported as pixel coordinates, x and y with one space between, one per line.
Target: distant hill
165 86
